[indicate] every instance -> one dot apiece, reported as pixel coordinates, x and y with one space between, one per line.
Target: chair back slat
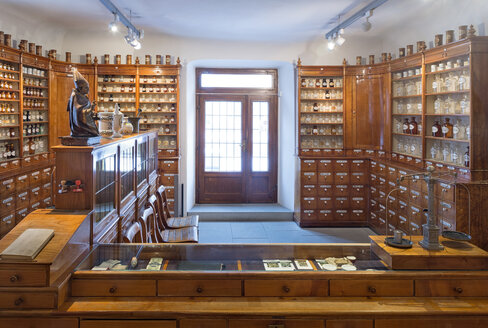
133 234
146 224
157 224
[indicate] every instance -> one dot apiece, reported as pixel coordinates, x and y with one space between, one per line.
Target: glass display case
230 258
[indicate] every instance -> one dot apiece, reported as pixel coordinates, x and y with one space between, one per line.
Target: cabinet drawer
417 184
34 206
199 287
22 276
309 178
167 179
295 288
46 190
325 215
325 178
373 179
22 199
36 322
383 287
6 187
341 215
415 197
35 178
288 323
170 192
358 190
128 323
168 166
341 203
402 193
35 194
341 165
359 165
20 300
21 214
309 203
309 165
325 191
309 190
402 223
451 287
381 170
358 215
7 204
309 215
415 214
46 175
46 202
392 202
341 178
402 207
99 287
203 323
325 203
447 210
358 202
392 174
325 165
7 222
445 191
341 190
349 323
359 177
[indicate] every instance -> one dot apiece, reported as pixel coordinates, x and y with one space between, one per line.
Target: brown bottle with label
315 107
466 158
406 128
447 129
436 129
318 84
304 83
413 126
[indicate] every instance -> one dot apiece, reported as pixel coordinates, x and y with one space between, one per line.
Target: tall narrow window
260 132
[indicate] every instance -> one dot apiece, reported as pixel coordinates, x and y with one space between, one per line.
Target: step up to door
242 212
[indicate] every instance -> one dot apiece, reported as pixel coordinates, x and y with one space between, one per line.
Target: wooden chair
181 235
173 222
152 202
133 234
147 225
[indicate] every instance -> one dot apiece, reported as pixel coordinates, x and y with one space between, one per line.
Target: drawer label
309 198
369 152
413 192
325 173
36 205
358 174
308 211
22 194
325 211
169 162
402 218
358 161
391 212
341 198
402 172
47 170
402 188
325 198
309 161
382 194
447 224
341 161
358 211
23 177
326 186
22 211
382 220
341 186
383 166
47 185
35 173
325 161
309 173
341 211
9 181
381 152
357 151
402 203
359 186
415 209
392 169
447 205
391 198
36 189
8 219
445 185
393 184
8 200
309 186
373 202
413 224
358 198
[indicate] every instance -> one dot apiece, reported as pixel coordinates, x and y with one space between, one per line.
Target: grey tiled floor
277 232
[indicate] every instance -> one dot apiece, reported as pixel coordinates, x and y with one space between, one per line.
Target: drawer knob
112 290
14 278
19 301
286 289
458 290
199 290
372 290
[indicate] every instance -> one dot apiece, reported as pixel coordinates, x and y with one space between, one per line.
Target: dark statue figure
81 110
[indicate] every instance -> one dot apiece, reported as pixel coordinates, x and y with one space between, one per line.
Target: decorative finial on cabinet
389 56
299 62
137 60
178 60
95 60
471 31
344 61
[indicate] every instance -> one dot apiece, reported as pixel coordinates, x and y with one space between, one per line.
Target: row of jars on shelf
327 118
8 75
131 79
452 82
34 71
7 66
449 64
321 142
7 107
35 145
167 129
7 85
158 98
333 106
165 119
322 94
407 88
323 130
8 95
407 146
35 82
32 92
110 107
321 83
452 105
130 97
34 129
166 142
34 103
158 107
8 150
408 126
34 116
407 73
8 133
407 106
158 88
449 152
459 130
6 120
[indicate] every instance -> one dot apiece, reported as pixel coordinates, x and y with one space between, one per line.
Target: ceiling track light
134 35
368 9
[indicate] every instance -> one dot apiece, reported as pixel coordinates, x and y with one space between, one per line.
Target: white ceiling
255 20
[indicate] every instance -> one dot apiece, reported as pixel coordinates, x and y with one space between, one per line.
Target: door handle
243 144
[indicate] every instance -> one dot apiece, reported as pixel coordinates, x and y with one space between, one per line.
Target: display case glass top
112 258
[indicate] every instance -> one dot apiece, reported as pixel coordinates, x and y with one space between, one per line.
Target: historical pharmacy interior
244 164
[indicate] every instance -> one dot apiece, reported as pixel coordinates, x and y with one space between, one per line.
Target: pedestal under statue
84 131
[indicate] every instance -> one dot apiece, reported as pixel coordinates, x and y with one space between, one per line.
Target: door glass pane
223 136
260 132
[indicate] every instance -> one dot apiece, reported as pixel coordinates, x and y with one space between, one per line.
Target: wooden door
368 119
237 149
